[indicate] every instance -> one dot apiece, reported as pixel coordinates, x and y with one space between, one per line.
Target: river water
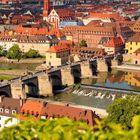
116 79
102 99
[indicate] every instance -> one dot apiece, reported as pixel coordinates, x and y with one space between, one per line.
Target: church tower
46 9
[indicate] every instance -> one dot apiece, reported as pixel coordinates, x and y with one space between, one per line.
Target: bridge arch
5 93
56 81
76 72
31 89
108 63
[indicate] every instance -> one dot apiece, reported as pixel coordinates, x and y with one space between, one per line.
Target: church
56 17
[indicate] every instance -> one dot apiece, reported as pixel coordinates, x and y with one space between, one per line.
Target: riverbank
22 61
128 67
6 77
14 72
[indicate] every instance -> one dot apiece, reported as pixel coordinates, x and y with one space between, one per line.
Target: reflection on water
116 79
101 99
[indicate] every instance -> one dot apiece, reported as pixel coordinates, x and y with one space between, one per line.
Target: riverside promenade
128 67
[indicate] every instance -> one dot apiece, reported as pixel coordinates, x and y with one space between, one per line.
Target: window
6 110
1 110
13 111
136 62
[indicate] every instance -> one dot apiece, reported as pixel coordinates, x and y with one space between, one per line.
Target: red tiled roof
137 51
115 42
58 48
58 110
32 107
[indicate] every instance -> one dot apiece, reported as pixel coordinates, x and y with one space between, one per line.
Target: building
112 45
136 26
9 107
54 16
80 53
31 108
39 109
25 43
136 57
91 34
58 55
133 44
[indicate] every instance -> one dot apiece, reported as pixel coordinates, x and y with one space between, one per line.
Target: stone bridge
42 83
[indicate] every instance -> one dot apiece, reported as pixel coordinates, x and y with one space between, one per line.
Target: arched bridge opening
5 93
108 63
56 82
93 66
31 89
76 72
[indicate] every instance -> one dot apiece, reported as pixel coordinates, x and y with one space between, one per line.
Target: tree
83 43
67 129
122 110
32 54
2 51
56 129
14 52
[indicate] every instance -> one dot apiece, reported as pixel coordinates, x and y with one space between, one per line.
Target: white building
9 107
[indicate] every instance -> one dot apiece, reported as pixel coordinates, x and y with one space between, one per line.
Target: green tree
2 51
122 110
56 129
83 43
14 52
32 54
67 129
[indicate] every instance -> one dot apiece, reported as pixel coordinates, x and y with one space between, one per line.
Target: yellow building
133 44
57 55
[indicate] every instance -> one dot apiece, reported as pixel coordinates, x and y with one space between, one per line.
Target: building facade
133 44
57 55
25 43
8 109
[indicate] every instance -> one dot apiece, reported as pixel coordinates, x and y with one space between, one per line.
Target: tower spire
46 8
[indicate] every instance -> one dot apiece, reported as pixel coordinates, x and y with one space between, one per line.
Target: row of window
2 110
135 42
94 32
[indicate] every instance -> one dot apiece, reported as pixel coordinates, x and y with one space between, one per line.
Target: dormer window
6 110
14 111
1 110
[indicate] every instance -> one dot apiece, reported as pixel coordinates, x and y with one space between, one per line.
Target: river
116 79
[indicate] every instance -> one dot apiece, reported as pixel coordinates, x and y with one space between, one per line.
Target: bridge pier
18 90
114 63
86 70
101 66
45 86
67 77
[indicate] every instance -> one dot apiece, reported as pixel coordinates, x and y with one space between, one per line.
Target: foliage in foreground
66 129
122 110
